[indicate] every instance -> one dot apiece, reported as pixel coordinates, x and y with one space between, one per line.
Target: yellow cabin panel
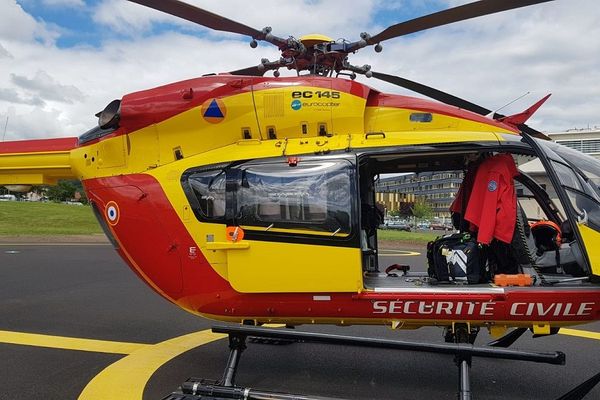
193 134
591 241
112 153
395 138
292 112
269 267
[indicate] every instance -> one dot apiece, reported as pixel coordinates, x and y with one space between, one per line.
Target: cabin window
208 188
304 198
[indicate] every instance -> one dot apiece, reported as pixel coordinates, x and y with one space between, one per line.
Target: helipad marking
69 343
398 253
127 378
580 333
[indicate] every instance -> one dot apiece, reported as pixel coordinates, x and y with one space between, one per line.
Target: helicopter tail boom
36 162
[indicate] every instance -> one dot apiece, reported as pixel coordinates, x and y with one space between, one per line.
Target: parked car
423 225
400 226
441 227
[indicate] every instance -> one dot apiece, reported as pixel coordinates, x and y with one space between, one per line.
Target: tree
421 209
63 191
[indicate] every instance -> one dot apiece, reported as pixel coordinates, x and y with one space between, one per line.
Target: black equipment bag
457 257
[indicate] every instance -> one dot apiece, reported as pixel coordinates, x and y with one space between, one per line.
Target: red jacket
492 205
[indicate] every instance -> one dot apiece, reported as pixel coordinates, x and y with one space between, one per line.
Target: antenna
507 104
5 126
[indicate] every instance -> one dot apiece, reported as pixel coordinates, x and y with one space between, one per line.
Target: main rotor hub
313 39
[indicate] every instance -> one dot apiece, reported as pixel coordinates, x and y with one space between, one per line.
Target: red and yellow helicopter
245 198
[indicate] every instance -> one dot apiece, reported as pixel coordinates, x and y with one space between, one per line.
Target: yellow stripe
69 343
398 253
127 378
579 333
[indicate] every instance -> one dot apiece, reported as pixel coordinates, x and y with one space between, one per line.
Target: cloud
64 3
12 96
17 25
4 53
25 124
549 48
47 88
295 18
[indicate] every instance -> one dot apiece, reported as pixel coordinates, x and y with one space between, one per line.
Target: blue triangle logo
213 110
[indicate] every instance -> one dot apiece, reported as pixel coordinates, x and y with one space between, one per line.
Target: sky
62 61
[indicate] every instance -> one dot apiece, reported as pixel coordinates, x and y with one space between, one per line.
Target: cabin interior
538 252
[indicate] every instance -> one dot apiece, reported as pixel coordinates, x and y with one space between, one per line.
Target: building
584 140
438 189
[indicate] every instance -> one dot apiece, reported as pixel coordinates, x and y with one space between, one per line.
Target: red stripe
141 109
38 145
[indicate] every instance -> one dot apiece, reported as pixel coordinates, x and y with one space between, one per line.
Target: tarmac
76 323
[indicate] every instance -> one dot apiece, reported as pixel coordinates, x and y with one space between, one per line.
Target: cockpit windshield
587 166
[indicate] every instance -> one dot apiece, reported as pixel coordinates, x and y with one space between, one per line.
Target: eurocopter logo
296 105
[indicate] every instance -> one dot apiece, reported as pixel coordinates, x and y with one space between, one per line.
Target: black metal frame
197 389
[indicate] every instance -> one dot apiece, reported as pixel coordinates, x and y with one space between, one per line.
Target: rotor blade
201 17
251 71
432 93
533 132
445 17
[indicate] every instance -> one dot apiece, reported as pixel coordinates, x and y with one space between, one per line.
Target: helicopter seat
317 212
534 249
269 211
552 255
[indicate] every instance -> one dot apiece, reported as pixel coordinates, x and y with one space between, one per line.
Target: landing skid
198 389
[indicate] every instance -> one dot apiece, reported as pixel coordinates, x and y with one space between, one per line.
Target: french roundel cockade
112 212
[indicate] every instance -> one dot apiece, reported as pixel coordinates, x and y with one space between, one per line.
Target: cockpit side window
206 192
310 196
209 188
572 171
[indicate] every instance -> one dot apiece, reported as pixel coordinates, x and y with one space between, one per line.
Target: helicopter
252 199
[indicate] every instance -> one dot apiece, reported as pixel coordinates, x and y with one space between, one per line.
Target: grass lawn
412 237
32 218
